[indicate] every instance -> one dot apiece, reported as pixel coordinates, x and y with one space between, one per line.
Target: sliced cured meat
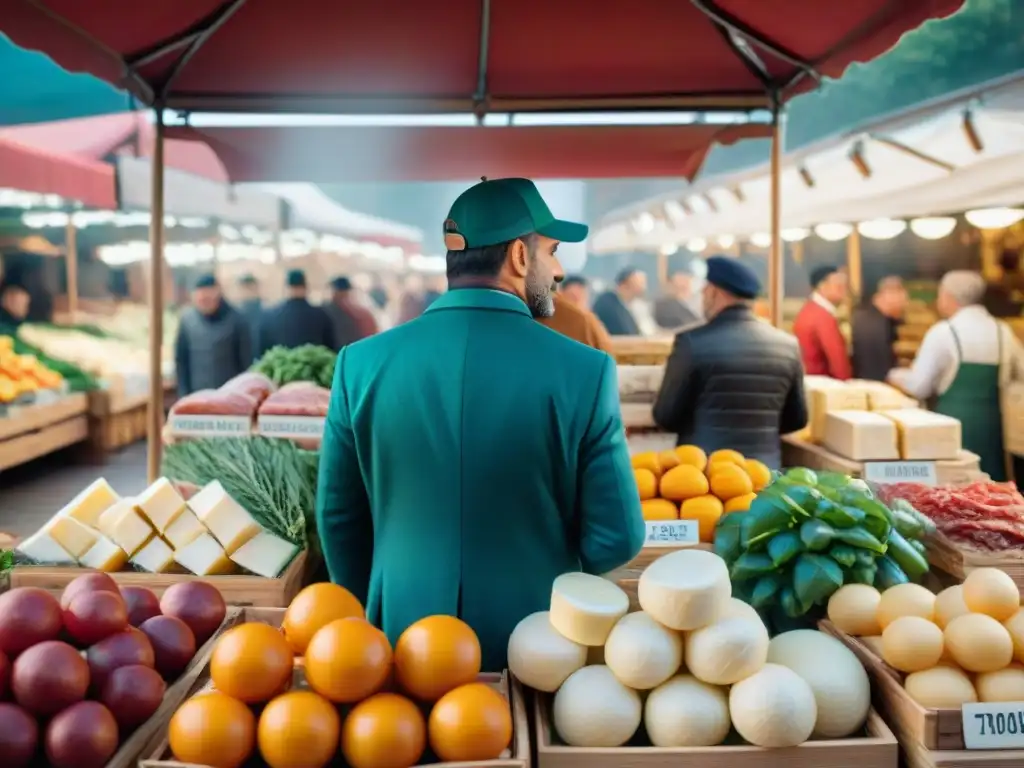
298 401
256 385
216 402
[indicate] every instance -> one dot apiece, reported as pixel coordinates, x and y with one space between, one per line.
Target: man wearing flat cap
816 327
295 321
350 320
734 381
213 343
472 455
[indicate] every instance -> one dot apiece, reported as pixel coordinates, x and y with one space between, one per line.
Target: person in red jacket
822 345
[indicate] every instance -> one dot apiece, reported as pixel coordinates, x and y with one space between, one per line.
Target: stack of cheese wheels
963 645
702 657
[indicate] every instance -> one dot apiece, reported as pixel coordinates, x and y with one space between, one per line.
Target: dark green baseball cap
498 210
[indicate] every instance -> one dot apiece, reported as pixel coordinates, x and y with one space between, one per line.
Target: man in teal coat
472 455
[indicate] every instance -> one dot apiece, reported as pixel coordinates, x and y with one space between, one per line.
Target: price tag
672 533
295 427
200 425
882 472
995 725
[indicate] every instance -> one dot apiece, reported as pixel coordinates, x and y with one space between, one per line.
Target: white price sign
672 533
995 725
882 472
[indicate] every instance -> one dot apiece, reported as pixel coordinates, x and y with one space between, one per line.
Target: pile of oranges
687 484
350 692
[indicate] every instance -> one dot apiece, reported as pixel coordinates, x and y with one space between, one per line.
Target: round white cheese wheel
727 651
992 592
641 652
685 712
734 608
949 604
1001 685
940 688
685 589
773 708
911 644
593 709
905 600
978 643
1015 626
853 608
584 608
842 690
540 656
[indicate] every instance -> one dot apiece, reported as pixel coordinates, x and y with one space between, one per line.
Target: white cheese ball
539 656
685 589
842 690
853 608
1001 685
940 687
773 708
584 608
685 712
642 653
727 651
593 709
734 608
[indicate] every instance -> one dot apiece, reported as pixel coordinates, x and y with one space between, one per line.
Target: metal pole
155 421
776 276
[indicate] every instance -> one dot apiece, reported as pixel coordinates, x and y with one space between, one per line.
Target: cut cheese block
204 557
156 557
823 400
882 397
584 608
114 512
184 530
265 555
925 436
88 505
104 556
74 537
861 436
685 589
160 504
42 548
128 529
224 517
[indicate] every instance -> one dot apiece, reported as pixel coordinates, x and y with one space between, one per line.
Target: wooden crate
27 446
958 561
638 350
242 590
876 749
116 421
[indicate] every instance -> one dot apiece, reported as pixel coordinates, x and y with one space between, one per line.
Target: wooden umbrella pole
71 267
776 278
155 421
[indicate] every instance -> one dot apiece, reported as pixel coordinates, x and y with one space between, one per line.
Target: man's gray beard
538 296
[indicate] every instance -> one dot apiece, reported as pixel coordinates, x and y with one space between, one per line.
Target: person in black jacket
873 327
735 381
612 307
295 321
213 344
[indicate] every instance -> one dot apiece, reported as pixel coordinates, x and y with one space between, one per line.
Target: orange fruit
726 455
760 475
472 723
683 482
252 662
436 655
646 483
729 481
212 729
659 509
314 607
385 731
740 503
348 660
706 510
647 460
692 455
668 459
298 729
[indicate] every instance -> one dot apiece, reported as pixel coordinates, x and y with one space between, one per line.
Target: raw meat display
984 514
250 383
297 401
216 402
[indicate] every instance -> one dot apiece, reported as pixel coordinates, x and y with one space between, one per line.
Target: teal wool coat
470 456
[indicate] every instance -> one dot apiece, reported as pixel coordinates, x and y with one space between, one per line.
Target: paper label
672 533
294 427
994 725
883 472
204 425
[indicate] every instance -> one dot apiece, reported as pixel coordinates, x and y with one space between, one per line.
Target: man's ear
518 258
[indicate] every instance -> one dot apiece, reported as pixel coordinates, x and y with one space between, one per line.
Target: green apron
973 398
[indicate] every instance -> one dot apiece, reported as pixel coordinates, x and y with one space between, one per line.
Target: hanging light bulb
643 223
761 240
833 231
933 227
668 249
994 218
882 229
726 241
697 245
795 235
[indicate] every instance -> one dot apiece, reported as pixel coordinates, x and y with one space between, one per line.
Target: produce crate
157 751
877 748
28 432
116 419
928 738
638 415
638 350
242 590
958 561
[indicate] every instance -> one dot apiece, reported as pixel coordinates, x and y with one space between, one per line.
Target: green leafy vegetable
858 537
844 554
803 476
863 574
727 536
284 365
912 562
767 516
790 604
784 547
815 578
750 564
765 590
816 535
889 573
839 516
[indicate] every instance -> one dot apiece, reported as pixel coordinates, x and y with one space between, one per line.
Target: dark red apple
92 616
198 604
133 694
19 736
82 736
5 675
142 604
48 677
94 581
28 615
174 645
121 650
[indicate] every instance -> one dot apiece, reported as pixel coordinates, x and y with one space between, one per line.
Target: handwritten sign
994 725
672 533
202 425
882 472
293 427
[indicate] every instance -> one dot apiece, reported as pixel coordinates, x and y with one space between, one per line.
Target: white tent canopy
922 163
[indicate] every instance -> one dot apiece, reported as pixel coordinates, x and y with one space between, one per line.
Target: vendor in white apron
962 364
